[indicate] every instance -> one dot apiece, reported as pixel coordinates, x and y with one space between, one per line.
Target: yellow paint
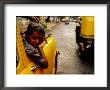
87 29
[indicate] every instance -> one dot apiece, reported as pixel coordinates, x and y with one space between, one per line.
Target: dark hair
31 29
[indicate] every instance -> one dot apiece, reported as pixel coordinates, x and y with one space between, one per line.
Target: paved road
68 60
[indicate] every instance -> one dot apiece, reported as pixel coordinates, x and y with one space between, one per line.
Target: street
68 60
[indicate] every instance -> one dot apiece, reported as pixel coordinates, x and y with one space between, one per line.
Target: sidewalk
51 25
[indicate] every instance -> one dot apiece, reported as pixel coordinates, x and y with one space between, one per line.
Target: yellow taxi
25 65
86 37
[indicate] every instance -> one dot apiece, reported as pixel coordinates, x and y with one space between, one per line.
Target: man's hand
42 53
42 45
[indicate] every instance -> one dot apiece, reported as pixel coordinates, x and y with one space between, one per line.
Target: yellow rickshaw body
25 64
86 37
87 28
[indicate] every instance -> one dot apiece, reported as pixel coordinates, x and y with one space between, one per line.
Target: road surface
68 60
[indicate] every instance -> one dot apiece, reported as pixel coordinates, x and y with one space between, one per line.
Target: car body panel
87 29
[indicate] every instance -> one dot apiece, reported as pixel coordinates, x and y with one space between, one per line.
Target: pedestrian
33 40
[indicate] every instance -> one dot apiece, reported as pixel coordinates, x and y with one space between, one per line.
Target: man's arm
32 53
40 49
38 60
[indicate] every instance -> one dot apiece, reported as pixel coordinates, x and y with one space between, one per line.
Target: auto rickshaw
86 37
25 65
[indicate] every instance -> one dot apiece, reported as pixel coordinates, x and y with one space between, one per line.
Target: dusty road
68 60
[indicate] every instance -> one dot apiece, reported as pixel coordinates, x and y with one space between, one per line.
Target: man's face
35 38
